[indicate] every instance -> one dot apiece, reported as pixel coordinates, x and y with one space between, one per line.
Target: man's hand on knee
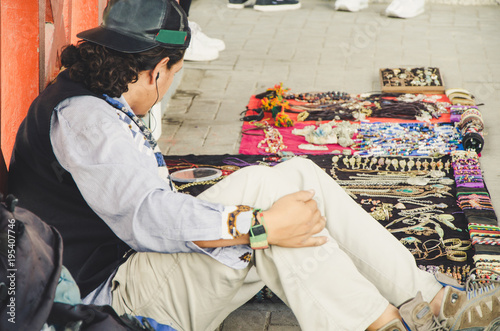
293 220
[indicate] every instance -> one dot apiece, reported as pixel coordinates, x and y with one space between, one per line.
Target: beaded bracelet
464 171
475 204
483 227
491 264
473 193
463 162
485 241
486 258
484 233
476 207
474 200
456 112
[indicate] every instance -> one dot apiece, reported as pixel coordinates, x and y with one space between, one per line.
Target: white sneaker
198 51
206 40
276 5
405 8
240 4
351 5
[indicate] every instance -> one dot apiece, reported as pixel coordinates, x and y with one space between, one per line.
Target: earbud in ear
157 76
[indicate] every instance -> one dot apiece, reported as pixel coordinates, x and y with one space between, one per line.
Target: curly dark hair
103 70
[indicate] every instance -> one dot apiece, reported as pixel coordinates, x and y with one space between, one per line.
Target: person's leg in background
405 8
202 47
185 5
265 5
397 8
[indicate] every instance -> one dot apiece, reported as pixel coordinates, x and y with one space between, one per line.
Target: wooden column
32 33
63 20
19 66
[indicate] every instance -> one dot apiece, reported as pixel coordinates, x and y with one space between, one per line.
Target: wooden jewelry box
427 80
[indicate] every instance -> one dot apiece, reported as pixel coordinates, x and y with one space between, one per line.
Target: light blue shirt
117 174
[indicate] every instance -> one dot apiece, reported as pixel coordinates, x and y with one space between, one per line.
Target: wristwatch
258 234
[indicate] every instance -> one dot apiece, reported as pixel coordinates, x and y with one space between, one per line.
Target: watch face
195 175
258 230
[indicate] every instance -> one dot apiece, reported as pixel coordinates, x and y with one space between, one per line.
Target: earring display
412 80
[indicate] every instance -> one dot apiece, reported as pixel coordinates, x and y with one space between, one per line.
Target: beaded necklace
319 97
339 105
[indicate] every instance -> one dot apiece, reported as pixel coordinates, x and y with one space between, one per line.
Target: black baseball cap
133 26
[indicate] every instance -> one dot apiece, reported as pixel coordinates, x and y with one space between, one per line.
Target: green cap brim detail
171 37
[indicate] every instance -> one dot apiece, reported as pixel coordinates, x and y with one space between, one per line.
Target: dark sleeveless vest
91 250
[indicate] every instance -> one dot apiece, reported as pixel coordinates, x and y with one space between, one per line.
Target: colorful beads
406 139
320 97
474 201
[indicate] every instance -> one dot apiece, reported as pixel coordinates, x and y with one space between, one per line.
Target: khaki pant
345 284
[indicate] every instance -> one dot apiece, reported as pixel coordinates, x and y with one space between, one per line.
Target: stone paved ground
318 49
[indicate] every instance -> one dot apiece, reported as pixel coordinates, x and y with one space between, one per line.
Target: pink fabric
250 139
249 142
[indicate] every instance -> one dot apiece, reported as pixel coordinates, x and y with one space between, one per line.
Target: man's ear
158 68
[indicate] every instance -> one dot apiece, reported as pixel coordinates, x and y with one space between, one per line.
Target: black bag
31 261
93 318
